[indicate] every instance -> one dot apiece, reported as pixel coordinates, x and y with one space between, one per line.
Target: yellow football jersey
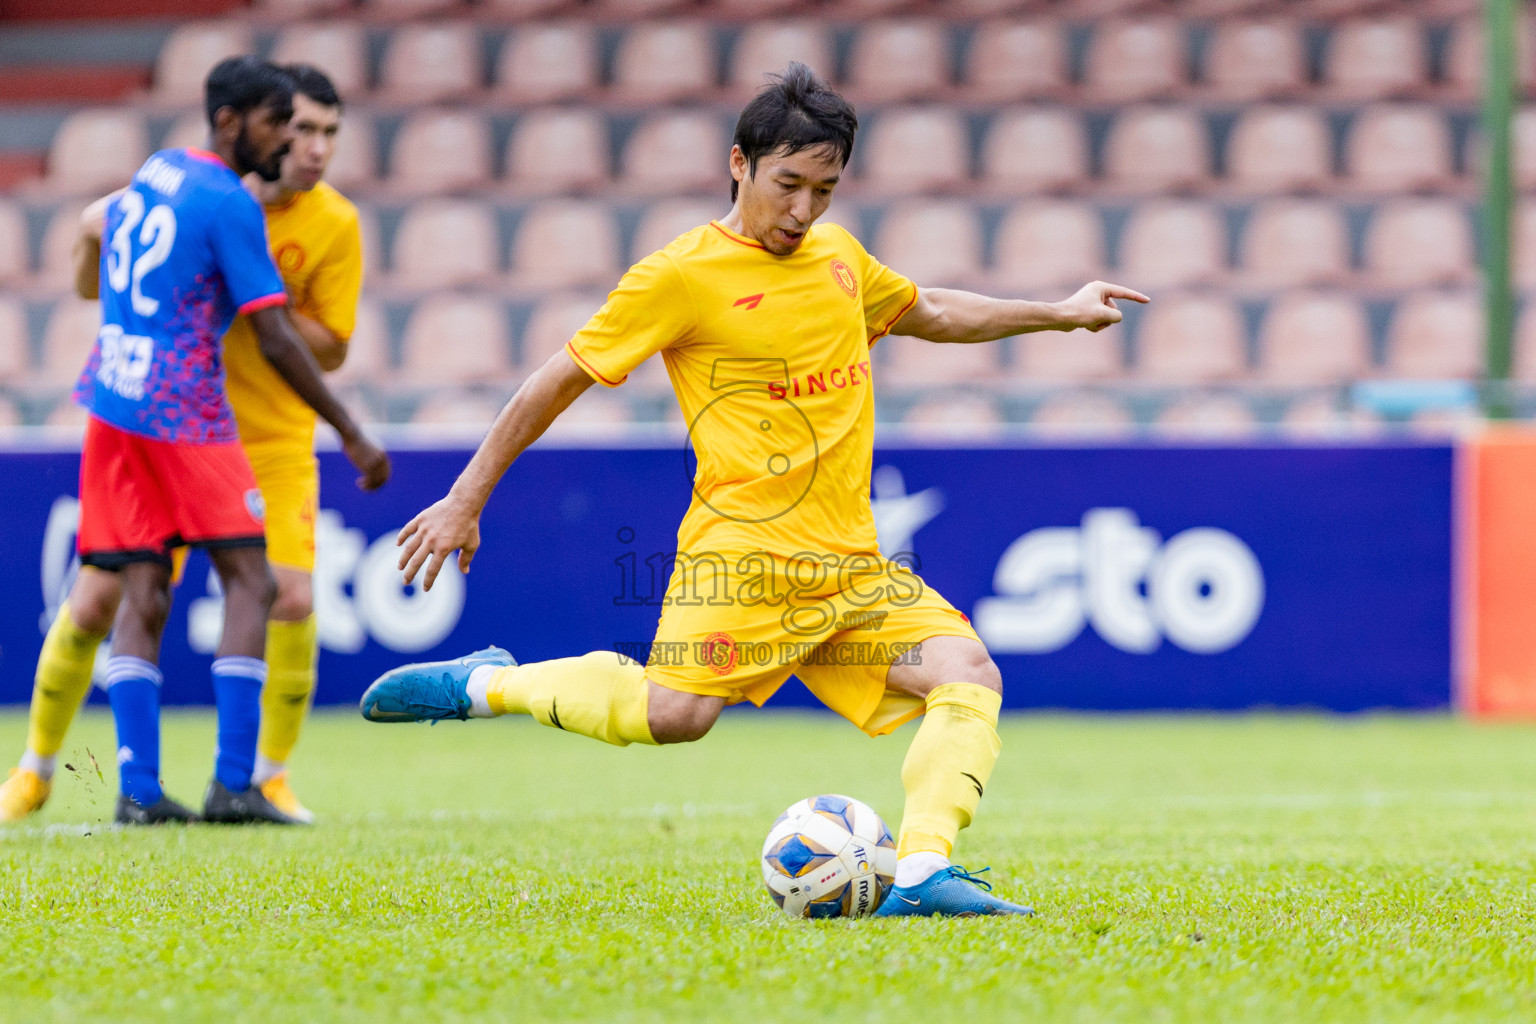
319 252
770 359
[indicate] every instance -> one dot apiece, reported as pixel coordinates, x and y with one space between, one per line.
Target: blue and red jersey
183 252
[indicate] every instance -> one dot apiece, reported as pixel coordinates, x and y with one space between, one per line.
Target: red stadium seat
189 129
1013 60
916 149
958 415
1252 59
664 221
1290 242
677 152
1314 338
1399 148
523 10
1172 243
455 413
457 339
766 48
411 8
55 265
338 48
417 162
67 341
1157 149
297 10
432 61
544 62
1279 149
1136 60
445 242
553 323
369 360
15 342
356 161
935 243
1412 243
1053 358
558 149
190 52
564 243
1191 339
899 60
1035 149
1466 56
669 60
1377 58
915 363
1214 416
97 150
753 10
1082 414
1438 336
1047 245
14 264
638 9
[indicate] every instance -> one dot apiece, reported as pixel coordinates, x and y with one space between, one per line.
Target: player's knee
985 672
250 581
294 600
148 607
682 717
93 603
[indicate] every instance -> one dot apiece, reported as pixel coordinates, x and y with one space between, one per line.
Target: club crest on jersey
719 653
255 505
845 279
289 257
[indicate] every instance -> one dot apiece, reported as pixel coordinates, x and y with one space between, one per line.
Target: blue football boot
428 691
948 892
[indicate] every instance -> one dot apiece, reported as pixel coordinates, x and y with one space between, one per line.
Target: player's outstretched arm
86 255
453 523
948 315
291 358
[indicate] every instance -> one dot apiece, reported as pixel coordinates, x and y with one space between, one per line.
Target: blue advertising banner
1113 578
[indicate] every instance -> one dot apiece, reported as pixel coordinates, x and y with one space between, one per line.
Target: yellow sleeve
650 310
887 294
337 282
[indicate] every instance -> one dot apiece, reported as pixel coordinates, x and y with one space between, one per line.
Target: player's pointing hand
1093 306
372 462
434 535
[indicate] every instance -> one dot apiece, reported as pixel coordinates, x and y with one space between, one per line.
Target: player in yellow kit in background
313 231
764 319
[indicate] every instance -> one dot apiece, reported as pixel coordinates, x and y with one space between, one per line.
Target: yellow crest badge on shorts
845 279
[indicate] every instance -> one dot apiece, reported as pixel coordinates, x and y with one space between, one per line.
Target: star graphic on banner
899 515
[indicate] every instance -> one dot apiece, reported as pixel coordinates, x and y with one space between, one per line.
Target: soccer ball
829 856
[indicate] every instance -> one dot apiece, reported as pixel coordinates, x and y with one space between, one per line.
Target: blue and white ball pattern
829 856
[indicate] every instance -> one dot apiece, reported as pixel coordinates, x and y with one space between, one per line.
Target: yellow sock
291 653
63 678
948 766
601 694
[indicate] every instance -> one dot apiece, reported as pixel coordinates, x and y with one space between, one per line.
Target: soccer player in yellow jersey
313 232
765 321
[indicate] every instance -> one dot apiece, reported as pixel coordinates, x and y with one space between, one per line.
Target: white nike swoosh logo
910 903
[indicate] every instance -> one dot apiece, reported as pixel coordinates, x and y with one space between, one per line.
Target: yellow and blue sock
292 648
63 678
237 683
133 689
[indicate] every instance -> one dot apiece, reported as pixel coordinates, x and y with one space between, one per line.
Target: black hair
243 84
310 81
796 112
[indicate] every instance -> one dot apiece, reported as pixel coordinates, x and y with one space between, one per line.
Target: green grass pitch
1184 869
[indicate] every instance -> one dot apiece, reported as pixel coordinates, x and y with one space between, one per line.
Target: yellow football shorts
740 630
289 479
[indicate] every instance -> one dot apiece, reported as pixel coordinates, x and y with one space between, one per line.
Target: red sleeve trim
571 351
265 302
897 318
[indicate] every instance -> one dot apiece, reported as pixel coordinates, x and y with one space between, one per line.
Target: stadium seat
558 149
1191 339
753 10
1035 149
1050 357
456 339
67 417
55 265
563 243
410 8
432 61
1466 56
899 60
67 341
1082 414
189 129
1255 59
1377 58
665 61
97 150
598 412
523 10
543 62
1314 338
1043 245
1290 242
441 151
1279 149
554 322
356 161
913 363
1416 242
935 243
1136 60
679 152
190 52
369 360
954 416
1206 415
1437 336
444 242
916 149
338 48
456 412
1523 242
637 9
1157 149
1524 143
1170 242
1399 148
1326 416
1524 369
766 48
14 262
1015 60
664 221
296 10
15 340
